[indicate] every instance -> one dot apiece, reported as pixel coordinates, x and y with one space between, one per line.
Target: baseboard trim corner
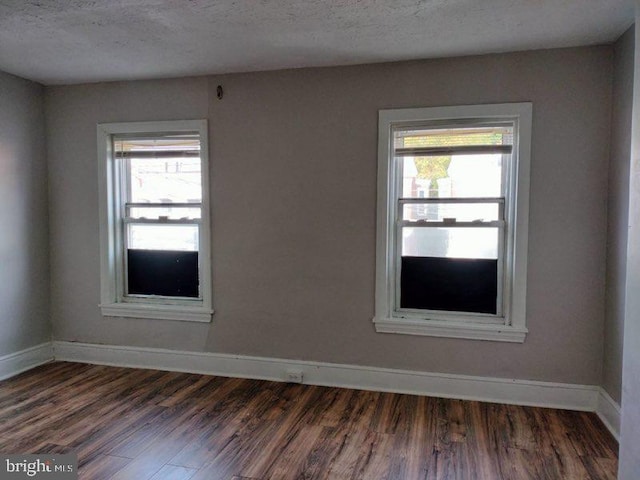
496 390
609 412
18 362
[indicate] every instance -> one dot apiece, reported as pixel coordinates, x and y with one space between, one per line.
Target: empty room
359 239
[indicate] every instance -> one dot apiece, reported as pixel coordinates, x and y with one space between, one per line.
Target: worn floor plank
150 425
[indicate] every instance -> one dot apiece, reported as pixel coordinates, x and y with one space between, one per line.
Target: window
154 212
453 201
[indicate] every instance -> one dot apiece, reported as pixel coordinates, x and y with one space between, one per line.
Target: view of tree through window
451 209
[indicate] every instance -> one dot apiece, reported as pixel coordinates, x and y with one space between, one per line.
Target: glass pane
163 237
450 242
462 212
452 176
162 169
174 213
164 273
454 137
449 284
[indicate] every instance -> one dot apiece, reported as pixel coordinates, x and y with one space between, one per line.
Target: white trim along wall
588 398
609 412
18 362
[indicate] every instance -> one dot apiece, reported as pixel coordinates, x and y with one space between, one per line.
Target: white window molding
509 322
114 299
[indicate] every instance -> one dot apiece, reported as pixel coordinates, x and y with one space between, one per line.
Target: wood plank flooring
149 425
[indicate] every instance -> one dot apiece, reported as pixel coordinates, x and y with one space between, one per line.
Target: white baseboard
609 412
26 359
497 390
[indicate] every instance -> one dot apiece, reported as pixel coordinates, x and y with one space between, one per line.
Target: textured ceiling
74 41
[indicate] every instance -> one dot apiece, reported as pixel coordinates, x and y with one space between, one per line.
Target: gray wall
618 213
24 264
293 156
629 465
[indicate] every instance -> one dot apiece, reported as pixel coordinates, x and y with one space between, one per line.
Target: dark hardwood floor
145 424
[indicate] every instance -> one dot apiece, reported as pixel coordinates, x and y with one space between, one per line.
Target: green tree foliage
432 167
435 168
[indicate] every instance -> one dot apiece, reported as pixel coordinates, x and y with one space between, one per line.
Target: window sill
158 312
450 329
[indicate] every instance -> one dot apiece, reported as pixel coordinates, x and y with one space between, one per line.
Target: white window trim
110 258
511 328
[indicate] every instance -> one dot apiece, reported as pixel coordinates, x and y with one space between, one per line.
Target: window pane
449 284
462 212
161 272
454 137
162 169
450 242
169 212
452 176
163 237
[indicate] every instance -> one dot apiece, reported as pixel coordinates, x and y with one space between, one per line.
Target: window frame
113 301
511 326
